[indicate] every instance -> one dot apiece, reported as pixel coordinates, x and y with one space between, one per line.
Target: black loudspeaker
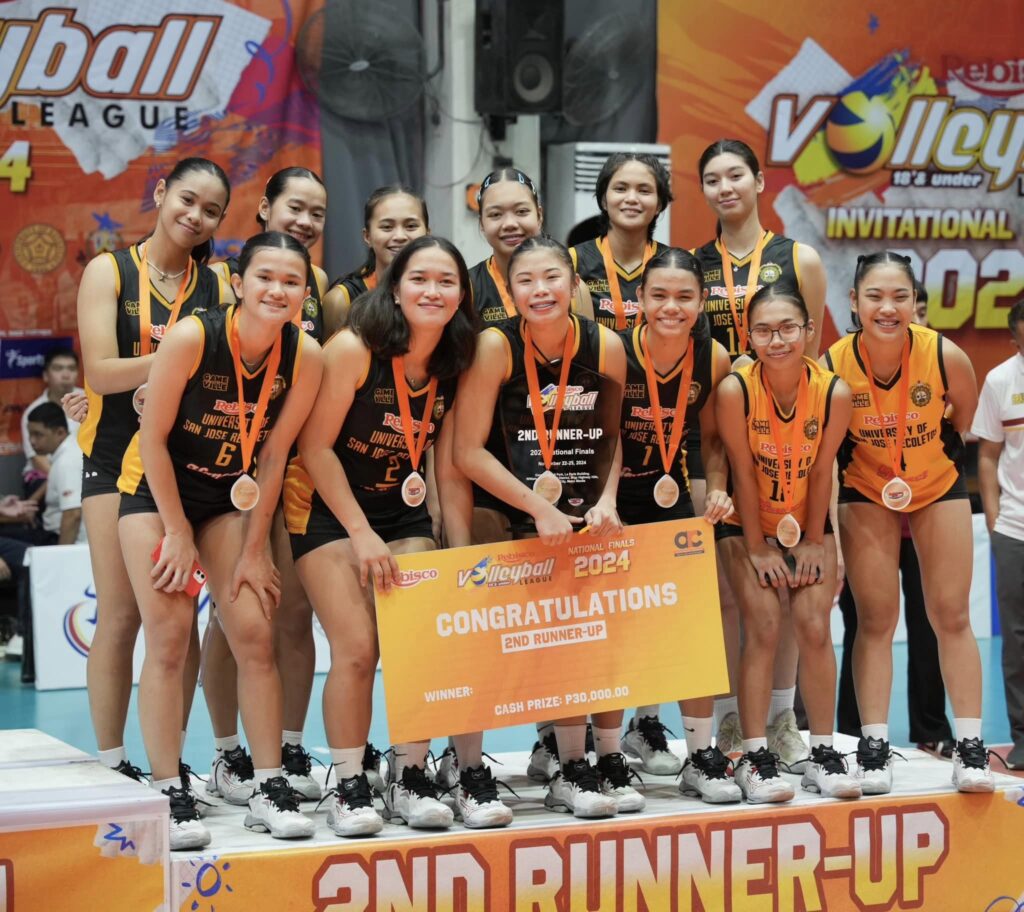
518 56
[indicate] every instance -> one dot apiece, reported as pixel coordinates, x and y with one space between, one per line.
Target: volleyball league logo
79 623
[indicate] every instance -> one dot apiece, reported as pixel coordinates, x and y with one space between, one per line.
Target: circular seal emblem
769 273
309 306
920 394
39 248
691 397
811 428
278 387
438 410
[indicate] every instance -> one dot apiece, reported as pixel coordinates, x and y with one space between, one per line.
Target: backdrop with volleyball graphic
899 125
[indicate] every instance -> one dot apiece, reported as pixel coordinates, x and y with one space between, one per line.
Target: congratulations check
494 635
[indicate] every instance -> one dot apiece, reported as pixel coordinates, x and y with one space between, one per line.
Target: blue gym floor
65 714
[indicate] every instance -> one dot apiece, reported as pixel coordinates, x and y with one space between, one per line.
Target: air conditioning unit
570 176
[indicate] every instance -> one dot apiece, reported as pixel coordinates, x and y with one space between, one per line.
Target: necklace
164 276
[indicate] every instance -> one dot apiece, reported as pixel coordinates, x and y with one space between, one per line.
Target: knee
357 659
294 623
950 620
119 623
761 631
876 625
253 648
813 634
166 649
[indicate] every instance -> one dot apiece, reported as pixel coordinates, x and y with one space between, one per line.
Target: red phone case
196 581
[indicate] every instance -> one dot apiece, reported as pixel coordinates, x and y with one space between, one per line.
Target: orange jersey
770 487
931 446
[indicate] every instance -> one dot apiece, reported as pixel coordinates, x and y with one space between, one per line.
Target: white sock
414 754
544 729
112 758
698 733
294 738
781 701
649 712
226 744
724 706
262 775
348 761
184 735
821 741
161 785
469 750
606 741
753 745
967 728
879 730
571 741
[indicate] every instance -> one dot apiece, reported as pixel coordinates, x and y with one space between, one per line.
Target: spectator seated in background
60 374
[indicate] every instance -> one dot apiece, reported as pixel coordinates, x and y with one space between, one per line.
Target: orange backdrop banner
494 635
898 125
98 100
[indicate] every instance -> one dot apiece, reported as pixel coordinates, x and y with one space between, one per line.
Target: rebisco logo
53 55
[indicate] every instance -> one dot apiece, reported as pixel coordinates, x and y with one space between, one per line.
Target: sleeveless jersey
778 262
372 450
586 433
757 401
112 420
311 317
352 286
932 448
588 258
203 442
486 297
641 456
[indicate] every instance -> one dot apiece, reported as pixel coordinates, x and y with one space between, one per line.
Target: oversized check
494 635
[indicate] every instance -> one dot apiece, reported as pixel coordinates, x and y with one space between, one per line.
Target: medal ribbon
370 281
249 434
799 417
546 439
145 308
895 454
499 282
611 271
668 451
739 320
412 444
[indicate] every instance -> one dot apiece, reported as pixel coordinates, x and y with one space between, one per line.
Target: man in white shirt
62 511
999 426
60 373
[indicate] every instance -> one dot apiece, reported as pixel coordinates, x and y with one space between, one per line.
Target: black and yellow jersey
487 299
372 449
203 442
353 286
932 448
112 419
779 262
641 455
588 259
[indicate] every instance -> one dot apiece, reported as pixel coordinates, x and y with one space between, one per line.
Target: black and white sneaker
826 773
645 741
544 762
232 777
371 766
706 776
477 801
187 830
132 772
298 765
412 799
350 810
758 776
615 774
576 788
874 766
274 809
971 772
187 774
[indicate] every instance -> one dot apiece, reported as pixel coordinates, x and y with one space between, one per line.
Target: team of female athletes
199 375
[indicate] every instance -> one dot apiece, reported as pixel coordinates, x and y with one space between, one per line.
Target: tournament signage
494 635
874 133
98 100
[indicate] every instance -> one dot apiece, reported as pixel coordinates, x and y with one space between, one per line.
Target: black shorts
324 528
634 511
694 462
957 491
96 479
725 530
196 512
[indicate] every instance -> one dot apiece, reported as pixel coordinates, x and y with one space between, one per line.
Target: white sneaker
231 777
729 738
371 766
187 830
825 772
477 799
874 766
298 767
706 776
615 774
186 774
544 763
758 776
645 741
784 738
577 790
413 800
350 810
970 766
274 809
447 775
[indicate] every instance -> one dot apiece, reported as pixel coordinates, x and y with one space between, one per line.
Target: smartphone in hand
196 581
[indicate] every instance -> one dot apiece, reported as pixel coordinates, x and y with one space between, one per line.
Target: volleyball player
126 301
914 395
229 391
545 344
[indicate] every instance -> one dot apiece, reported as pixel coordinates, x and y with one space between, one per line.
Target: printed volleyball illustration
860 132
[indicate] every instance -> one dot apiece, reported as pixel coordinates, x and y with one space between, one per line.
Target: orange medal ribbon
370 281
787 479
499 283
668 451
611 271
545 438
739 320
895 454
249 433
414 445
145 308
